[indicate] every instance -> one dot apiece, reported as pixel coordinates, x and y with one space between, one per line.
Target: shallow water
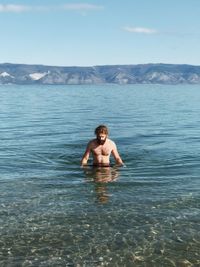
54 213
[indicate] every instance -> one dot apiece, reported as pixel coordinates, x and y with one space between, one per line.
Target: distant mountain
116 74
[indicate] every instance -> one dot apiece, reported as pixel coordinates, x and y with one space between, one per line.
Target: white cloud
24 8
13 8
140 30
82 7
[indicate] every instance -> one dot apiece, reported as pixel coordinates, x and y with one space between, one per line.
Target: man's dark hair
101 129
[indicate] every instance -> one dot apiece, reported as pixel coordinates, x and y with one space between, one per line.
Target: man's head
101 133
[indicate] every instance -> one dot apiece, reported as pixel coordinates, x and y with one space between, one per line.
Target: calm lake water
54 213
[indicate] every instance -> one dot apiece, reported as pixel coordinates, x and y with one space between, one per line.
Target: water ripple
54 213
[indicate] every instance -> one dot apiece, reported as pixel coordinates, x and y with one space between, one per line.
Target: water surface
54 213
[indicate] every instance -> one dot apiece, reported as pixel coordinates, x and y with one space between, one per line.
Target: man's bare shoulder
91 143
112 143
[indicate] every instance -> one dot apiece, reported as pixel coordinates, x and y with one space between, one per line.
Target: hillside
116 74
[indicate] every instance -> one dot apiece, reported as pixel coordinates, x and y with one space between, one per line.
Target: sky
99 32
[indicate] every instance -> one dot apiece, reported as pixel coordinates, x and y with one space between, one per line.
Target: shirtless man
101 149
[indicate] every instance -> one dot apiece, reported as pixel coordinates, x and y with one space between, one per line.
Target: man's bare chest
101 150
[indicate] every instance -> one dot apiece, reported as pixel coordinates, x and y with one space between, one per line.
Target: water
53 213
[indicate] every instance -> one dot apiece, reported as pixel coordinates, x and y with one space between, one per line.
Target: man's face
101 138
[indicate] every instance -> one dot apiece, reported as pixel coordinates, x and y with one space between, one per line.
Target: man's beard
101 142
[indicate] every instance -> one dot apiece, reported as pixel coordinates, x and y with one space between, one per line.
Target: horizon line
101 65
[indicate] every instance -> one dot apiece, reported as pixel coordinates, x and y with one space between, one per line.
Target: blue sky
100 32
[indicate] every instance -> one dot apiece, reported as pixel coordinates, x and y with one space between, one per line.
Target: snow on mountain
5 74
37 75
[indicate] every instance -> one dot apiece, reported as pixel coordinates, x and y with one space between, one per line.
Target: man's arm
86 155
116 155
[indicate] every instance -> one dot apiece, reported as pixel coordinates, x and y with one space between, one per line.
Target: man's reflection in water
101 176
